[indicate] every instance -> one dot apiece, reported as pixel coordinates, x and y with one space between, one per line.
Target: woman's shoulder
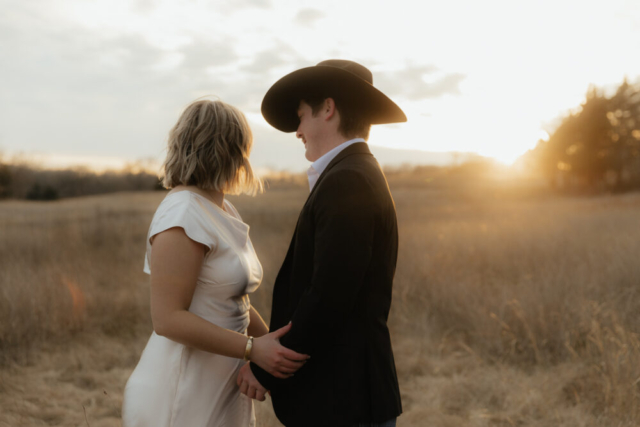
191 206
198 204
176 203
180 209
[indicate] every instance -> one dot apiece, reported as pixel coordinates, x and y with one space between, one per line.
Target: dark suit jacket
335 287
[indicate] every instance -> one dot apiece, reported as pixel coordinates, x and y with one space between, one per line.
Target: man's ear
329 108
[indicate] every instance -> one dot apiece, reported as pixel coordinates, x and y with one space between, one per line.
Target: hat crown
350 66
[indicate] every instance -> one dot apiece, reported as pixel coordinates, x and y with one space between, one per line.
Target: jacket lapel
281 285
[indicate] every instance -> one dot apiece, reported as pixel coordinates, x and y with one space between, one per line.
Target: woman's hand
273 357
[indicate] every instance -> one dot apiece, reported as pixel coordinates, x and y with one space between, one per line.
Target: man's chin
309 156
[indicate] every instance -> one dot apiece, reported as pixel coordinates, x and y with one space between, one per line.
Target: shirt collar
321 164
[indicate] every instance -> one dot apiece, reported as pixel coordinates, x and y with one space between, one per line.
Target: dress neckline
215 206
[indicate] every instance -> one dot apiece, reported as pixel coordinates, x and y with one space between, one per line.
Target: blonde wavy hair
209 147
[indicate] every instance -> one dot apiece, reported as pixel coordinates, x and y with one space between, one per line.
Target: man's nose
298 134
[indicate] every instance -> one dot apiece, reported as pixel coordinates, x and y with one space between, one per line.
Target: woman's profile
203 267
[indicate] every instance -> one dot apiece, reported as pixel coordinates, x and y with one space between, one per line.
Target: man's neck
318 166
334 142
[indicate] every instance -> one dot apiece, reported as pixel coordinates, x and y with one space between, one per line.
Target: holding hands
273 357
249 385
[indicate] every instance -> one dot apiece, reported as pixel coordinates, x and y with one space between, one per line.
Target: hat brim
280 104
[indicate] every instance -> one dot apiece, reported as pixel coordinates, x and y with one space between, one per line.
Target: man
335 283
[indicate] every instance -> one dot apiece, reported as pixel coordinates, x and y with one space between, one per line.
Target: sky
102 81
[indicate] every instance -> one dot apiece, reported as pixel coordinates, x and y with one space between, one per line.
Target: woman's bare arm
176 261
257 326
175 264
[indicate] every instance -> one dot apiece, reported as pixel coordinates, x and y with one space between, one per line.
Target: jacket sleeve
344 212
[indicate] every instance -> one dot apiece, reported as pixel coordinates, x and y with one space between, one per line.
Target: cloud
246 84
308 17
236 5
279 56
144 6
75 91
266 4
200 55
96 94
411 82
448 84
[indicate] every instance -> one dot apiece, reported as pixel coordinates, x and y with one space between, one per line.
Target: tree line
597 147
21 180
24 181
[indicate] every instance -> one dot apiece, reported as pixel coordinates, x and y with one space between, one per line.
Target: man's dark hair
353 122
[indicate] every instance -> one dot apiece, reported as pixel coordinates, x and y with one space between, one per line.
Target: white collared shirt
321 164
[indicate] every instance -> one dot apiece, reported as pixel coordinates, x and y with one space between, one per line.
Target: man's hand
249 385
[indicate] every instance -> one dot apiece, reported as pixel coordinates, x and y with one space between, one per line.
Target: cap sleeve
181 210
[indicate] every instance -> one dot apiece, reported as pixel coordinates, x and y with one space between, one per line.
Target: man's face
311 131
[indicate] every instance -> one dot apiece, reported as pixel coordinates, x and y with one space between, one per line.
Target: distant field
508 309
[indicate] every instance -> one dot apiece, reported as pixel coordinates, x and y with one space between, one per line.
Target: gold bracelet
247 350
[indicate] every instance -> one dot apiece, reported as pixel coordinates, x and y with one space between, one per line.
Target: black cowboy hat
348 81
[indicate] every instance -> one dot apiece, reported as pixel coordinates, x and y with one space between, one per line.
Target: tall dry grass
529 283
508 310
71 266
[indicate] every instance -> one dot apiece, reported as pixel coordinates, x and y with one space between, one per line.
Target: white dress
178 386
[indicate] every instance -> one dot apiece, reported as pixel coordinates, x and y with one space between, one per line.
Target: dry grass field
509 310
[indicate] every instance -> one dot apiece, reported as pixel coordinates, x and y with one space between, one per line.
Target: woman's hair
209 147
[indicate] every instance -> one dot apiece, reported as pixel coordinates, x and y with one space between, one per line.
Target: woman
203 268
